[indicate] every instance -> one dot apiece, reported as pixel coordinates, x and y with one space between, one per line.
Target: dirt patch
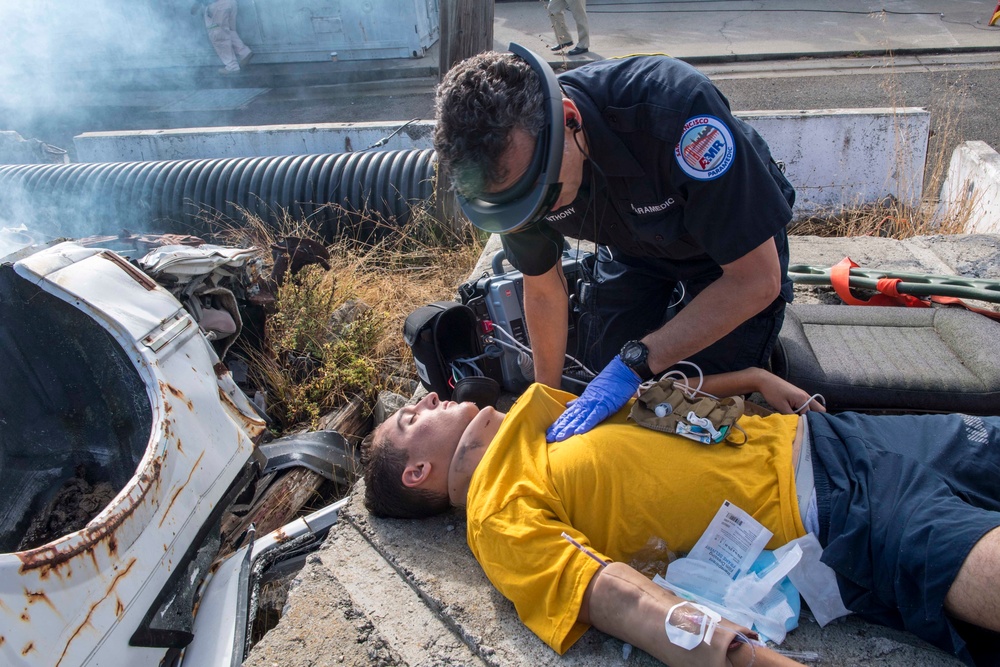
74 505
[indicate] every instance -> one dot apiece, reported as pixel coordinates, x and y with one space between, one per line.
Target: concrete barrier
839 158
249 141
834 157
973 187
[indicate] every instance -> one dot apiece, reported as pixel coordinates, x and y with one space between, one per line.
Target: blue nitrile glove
604 396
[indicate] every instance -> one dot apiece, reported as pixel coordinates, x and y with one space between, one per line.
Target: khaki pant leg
216 19
224 48
241 49
556 8
579 10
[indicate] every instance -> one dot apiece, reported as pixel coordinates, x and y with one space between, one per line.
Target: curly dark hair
385 494
479 101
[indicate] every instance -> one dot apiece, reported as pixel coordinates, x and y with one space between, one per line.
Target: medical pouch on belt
674 408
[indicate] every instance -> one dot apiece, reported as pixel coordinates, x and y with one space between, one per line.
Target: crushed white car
123 441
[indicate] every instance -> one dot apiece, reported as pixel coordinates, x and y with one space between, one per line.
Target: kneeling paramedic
642 156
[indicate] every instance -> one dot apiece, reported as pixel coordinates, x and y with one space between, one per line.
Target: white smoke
65 63
56 53
49 42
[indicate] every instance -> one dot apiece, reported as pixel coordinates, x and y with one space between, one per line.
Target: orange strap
953 301
840 276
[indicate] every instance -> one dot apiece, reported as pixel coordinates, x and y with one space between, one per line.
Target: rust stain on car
93 608
135 273
51 558
39 596
178 394
30 648
180 488
220 369
254 427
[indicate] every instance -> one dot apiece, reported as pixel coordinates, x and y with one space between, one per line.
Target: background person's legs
223 46
579 11
227 43
241 50
218 16
556 8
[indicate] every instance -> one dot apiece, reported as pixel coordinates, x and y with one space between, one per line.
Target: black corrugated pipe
338 193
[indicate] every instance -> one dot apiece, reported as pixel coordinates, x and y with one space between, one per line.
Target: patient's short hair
385 494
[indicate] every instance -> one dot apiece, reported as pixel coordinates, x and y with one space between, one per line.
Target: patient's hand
785 397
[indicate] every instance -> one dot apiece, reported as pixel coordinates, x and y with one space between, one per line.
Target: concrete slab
970 255
351 606
432 557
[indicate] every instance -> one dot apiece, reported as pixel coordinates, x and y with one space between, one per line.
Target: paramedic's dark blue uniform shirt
676 175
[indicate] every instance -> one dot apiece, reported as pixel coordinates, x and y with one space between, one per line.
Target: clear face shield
537 191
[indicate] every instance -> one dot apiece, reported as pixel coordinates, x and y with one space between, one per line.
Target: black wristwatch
635 354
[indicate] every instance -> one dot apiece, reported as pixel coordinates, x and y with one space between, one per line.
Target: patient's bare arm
783 396
625 604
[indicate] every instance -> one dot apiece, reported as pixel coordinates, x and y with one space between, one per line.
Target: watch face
633 352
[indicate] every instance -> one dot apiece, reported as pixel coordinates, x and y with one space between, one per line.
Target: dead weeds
315 356
888 218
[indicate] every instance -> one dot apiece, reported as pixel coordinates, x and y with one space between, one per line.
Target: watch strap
640 366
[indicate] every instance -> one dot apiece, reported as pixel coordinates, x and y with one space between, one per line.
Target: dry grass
312 364
888 218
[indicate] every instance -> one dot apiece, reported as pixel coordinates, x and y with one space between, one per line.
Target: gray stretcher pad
886 359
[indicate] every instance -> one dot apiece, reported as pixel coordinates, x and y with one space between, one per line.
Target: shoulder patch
706 148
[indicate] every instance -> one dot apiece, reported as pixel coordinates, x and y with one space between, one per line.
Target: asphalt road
959 90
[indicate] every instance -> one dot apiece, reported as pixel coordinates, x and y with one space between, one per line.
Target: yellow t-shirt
613 489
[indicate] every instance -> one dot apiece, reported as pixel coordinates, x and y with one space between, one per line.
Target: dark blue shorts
902 500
